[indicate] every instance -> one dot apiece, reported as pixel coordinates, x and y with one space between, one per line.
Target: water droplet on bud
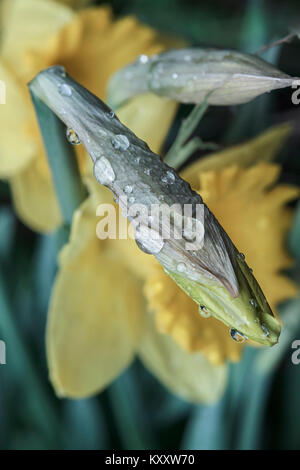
120 142
72 137
237 335
204 312
143 58
148 240
265 330
181 267
64 89
168 178
128 189
103 171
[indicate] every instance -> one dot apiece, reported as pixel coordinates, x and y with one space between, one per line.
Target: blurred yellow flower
38 34
98 318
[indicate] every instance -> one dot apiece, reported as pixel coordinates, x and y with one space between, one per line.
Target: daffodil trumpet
215 275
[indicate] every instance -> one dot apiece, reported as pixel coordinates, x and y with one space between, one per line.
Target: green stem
62 160
180 151
20 360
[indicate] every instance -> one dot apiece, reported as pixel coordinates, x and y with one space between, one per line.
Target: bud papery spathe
222 77
215 275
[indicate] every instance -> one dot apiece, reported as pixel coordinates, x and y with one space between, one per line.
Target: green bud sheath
211 271
190 75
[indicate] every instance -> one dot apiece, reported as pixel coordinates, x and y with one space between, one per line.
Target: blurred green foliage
260 408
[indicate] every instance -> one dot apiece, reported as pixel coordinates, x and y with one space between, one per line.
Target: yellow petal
75 3
190 376
256 219
149 117
29 25
261 148
16 147
95 313
139 263
34 198
177 315
253 213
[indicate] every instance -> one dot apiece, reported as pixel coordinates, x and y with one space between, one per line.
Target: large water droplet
148 240
237 335
168 178
72 137
64 89
103 171
204 312
120 142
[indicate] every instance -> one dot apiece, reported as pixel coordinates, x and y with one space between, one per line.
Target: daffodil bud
188 242
223 77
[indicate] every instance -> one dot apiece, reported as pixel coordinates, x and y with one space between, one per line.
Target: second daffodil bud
170 220
223 77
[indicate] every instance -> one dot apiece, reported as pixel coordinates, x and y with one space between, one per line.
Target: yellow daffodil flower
111 301
92 46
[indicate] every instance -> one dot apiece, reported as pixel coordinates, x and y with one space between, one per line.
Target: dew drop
103 171
120 142
64 89
204 312
131 200
148 240
241 256
147 171
175 75
143 59
58 68
168 178
128 189
189 235
72 137
111 114
265 330
237 335
253 303
181 267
